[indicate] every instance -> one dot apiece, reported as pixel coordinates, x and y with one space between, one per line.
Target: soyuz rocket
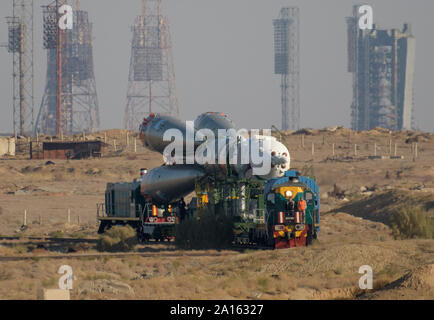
173 180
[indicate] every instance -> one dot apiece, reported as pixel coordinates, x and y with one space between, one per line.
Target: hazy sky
223 54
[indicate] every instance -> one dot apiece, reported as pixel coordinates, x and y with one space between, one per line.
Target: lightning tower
151 81
287 64
70 102
20 44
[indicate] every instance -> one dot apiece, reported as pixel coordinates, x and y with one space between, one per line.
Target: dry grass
287 274
118 239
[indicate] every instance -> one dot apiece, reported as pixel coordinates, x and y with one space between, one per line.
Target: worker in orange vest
302 205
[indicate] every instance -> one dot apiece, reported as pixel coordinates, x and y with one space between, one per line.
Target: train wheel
101 227
271 243
143 237
104 226
310 236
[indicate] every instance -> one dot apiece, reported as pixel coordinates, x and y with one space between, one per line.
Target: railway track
167 254
50 239
31 240
251 247
170 253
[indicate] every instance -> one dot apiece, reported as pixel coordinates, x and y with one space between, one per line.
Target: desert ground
359 195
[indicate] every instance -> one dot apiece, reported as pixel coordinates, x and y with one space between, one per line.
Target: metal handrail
145 210
256 219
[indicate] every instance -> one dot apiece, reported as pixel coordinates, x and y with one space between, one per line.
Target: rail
48 239
172 254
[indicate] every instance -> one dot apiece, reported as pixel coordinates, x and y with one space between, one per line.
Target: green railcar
125 205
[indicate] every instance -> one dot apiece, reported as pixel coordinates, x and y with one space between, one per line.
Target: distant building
382 63
75 150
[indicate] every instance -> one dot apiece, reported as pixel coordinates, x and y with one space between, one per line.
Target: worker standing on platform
290 205
302 205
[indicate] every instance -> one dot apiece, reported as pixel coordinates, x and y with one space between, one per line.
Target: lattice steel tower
70 102
287 64
20 44
151 81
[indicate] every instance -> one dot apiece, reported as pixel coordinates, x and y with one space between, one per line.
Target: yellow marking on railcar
294 190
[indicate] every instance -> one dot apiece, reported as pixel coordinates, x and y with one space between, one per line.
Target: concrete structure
53 294
382 63
7 146
287 65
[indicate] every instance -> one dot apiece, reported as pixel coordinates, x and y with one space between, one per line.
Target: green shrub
263 283
412 222
49 282
20 248
210 231
78 235
118 238
57 234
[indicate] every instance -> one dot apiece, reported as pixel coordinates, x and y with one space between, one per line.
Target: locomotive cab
291 215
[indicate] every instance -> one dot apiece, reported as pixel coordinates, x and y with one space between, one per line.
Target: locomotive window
309 196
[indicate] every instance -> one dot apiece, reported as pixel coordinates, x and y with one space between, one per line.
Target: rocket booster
153 128
166 184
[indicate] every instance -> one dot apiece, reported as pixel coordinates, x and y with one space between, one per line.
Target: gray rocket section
166 184
153 129
213 121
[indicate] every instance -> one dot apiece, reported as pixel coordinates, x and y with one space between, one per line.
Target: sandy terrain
355 227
